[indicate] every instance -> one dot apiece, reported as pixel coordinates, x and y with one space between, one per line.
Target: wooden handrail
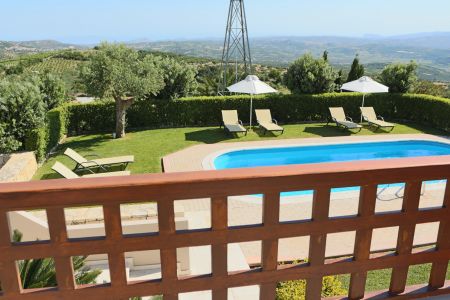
164 189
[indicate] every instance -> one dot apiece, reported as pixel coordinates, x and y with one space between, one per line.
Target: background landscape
429 50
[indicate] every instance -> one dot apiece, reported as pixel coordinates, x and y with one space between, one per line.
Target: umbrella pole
364 96
251 110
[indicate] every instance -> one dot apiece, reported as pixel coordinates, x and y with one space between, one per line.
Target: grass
149 146
380 279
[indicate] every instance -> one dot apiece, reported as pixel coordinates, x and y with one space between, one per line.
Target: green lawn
149 146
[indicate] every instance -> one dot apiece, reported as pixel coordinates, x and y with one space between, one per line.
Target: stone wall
19 167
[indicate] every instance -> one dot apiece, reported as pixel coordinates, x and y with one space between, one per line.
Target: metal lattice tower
236 48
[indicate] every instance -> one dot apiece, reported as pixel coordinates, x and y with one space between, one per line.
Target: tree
117 71
22 109
400 78
53 90
325 55
308 75
339 80
40 273
356 71
179 77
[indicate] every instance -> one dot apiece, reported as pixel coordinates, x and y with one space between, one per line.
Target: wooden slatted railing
110 193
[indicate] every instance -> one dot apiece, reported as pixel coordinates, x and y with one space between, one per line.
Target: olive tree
308 75
118 72
400 78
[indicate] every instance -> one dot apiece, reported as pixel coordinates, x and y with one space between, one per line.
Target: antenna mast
236 48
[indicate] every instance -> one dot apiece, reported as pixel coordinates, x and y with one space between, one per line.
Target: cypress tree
357 70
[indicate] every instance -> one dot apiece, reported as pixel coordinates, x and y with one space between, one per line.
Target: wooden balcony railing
54 196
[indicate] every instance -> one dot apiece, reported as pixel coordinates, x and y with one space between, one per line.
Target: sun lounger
371 117
338 116
69 174
265 121
100 163
231 122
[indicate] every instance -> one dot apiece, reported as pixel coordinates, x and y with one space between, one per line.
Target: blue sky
89 21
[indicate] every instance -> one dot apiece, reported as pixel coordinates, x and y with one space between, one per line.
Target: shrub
37 141
295 290
400 78
308 75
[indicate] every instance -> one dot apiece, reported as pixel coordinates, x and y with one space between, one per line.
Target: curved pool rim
208 161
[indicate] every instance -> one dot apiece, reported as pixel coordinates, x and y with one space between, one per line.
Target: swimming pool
297 155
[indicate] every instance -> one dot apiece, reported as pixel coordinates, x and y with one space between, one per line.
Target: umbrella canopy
365 85
253 86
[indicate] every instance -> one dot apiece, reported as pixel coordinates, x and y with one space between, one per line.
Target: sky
91 21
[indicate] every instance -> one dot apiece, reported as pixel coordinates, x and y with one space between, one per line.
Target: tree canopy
356 71
400 78
309 75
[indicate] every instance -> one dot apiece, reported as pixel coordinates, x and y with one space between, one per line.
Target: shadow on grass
209 136
426 129
327 131
269 134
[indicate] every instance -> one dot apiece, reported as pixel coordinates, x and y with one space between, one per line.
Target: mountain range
430 50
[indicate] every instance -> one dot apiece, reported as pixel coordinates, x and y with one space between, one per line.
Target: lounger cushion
381 123
112 174
271 127
235 128
349 124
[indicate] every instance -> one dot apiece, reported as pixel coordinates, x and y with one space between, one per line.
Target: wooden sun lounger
69 174
266 122
231 122
100 163
338 116
371 117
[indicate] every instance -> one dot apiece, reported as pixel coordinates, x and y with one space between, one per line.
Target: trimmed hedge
75 119
205 111
43 139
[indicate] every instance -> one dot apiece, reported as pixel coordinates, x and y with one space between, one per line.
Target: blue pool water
279 156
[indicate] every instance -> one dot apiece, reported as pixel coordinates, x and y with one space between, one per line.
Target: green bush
205 111
37 141
295 290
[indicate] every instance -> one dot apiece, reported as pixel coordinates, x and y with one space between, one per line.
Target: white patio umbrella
253 86
365 85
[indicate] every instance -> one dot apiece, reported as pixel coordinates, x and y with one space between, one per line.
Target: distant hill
430 50
10 50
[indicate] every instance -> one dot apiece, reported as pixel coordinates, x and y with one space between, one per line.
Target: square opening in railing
344 202
296 289
85 222
244 256
192 214
37 273
418 274
143 265
28 226
154 297
139 218
244 292
194 261
293 250
92 269
389 198
245 210
426 233
340 244
432 194
384 239
207 294
296 206
378 280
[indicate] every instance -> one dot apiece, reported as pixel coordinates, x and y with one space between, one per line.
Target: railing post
219 260
166 221
363 240
9 272
269 255
405 238
320 212
58 235
439 270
